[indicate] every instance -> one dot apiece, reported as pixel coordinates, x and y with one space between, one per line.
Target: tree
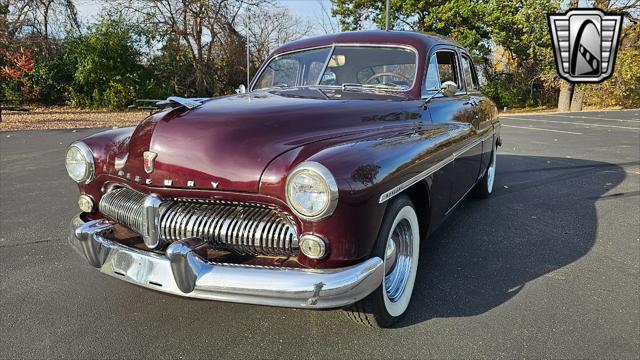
518 28
454 18
204 28
106 63
515 30
15 74
34 20
623 88
270 27
572 96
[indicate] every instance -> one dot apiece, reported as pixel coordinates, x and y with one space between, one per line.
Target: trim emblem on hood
149 161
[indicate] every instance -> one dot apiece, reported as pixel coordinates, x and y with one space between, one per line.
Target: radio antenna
387 15
248 63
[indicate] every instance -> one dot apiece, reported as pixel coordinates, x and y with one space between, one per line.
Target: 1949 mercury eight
312 189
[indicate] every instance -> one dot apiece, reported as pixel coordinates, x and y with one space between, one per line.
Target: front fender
106 146
364 170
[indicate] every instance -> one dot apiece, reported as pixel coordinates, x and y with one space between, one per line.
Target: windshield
389 67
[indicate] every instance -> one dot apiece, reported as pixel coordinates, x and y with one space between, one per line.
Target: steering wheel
399 76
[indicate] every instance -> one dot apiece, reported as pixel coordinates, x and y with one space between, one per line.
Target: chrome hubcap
491 172
398 258
390 257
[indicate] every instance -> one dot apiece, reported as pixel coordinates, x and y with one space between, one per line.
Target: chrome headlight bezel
87 155
329 184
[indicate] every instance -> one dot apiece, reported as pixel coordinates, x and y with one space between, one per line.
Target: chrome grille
124 206
244 228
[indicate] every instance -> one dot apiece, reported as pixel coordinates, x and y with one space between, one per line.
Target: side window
432 80
280 72
442 67
447 67
470 77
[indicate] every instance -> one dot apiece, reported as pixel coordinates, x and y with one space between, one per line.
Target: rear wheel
484 187
398 245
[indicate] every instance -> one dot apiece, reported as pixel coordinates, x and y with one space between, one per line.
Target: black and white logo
585 42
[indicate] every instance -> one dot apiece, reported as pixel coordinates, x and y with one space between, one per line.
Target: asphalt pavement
547 267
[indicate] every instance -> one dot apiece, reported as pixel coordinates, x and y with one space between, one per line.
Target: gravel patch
68 118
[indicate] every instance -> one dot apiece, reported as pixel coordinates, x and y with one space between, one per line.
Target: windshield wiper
382 87
274 87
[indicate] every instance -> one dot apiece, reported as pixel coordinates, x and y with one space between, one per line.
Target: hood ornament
149 161
189 103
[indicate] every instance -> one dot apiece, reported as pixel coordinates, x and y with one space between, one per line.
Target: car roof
422 42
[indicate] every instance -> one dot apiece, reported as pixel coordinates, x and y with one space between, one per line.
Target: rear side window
470 77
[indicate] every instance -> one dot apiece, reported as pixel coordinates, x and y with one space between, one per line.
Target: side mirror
449 88
241 89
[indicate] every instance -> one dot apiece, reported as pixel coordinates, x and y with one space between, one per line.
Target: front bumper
183 272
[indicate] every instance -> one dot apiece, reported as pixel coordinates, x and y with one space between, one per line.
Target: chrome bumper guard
183 272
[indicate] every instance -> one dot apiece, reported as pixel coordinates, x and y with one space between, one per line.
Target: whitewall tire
398 244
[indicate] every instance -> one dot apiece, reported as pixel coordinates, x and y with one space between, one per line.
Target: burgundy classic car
312 189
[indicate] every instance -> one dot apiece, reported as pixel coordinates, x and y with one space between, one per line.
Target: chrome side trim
430 171
183 272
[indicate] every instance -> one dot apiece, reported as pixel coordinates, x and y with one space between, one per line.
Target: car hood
227 142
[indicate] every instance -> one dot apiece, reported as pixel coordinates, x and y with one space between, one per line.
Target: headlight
312 192
79 163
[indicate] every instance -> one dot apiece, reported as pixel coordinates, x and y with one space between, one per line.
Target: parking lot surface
547 267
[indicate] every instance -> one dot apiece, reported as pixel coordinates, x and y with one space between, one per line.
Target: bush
120 93
51 76
108 71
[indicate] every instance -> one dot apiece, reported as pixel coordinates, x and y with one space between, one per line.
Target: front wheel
398 245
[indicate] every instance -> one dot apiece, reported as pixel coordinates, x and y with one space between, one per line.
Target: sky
311 10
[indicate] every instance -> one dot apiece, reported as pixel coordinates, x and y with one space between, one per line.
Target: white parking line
571 123
594 117
541 129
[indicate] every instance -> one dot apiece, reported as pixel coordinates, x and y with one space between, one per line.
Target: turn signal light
85 203
312 246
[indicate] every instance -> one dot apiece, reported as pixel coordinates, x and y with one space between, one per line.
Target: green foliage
458 19
520 26
517 28
115 61
107 65
51 76
513 91
173 71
